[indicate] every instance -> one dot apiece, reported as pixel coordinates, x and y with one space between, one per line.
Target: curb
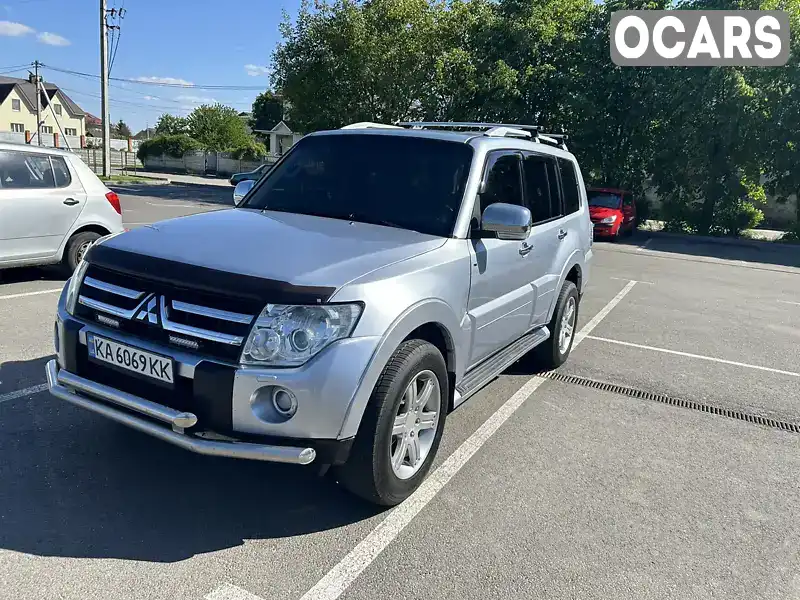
721 241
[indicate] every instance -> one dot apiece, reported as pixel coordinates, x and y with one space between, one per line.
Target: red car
613 212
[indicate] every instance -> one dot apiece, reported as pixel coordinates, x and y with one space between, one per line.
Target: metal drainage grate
680 402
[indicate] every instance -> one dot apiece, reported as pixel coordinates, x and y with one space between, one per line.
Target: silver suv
373 280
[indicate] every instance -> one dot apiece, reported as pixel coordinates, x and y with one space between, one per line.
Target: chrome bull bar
99 398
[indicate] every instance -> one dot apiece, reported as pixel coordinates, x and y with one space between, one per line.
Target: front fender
421 313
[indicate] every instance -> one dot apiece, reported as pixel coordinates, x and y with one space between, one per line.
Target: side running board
490 368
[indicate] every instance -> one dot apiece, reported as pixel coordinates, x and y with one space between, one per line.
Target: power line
162 84
115 101
14 71
16 67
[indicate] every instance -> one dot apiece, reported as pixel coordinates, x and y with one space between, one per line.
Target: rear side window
61 171
569 181
541 188
22 170
503 180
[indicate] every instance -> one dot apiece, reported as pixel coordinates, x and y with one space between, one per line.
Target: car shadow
767 253
178 192
24 274
78 485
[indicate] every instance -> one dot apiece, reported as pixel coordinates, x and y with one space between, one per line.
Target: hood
298 249
601 212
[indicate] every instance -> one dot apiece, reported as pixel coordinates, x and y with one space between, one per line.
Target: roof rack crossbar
464 125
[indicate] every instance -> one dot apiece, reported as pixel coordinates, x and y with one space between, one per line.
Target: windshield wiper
356 217
365 219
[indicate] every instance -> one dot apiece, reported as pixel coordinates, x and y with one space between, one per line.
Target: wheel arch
93 227
573 271
431 320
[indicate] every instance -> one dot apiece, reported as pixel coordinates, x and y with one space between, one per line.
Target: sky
189 42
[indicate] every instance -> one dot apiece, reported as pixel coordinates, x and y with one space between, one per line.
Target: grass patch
124 179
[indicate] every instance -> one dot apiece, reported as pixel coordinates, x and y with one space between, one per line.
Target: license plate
129 358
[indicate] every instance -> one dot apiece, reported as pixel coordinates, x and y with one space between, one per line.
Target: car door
501 297
40 199
543 197
628 210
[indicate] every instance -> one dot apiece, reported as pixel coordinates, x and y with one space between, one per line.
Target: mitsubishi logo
149 310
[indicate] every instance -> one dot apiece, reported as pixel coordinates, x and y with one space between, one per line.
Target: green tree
704 138
267 111
171 125
122 130
217 128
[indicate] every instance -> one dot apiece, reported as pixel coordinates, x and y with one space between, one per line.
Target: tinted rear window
406 182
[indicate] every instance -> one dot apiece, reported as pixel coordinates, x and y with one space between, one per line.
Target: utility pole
104 91
38 103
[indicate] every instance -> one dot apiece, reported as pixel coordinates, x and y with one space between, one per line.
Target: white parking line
26 294
228 591
700 356
645 245
789 302
22 393
637 281
338 579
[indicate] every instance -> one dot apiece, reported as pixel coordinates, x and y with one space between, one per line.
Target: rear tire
76 249
390 430
554 352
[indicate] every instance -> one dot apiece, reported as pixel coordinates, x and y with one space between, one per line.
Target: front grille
195 321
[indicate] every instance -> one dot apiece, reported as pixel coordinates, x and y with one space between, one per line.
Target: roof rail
370 125
556 139
495 130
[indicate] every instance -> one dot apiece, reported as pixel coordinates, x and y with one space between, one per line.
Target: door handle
562 234
71 202
525 248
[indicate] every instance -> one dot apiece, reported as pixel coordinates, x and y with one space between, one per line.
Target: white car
52 207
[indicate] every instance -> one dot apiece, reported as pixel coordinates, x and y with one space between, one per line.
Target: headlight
74 285
288 336
609 220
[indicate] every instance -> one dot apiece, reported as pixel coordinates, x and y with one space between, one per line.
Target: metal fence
122 161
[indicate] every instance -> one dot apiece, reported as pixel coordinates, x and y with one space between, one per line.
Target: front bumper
125 409
213 406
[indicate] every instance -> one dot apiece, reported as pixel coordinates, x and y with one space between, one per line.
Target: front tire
76 249
554 352
401 428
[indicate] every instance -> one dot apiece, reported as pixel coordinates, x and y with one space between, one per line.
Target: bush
679 216
253 150
793 235
643 209
171 145
734 217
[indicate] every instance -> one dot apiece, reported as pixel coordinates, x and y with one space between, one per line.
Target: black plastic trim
213 395
205 279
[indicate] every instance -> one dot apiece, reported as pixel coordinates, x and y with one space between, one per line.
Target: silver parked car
52 207
374 279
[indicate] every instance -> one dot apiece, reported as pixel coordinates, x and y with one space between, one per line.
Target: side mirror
508 221
241 190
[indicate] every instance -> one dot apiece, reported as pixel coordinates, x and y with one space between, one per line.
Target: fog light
284 402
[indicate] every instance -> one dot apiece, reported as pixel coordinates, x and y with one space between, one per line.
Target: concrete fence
66 142
204 163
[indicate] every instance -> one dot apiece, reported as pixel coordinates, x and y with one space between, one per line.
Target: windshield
407 182
603 199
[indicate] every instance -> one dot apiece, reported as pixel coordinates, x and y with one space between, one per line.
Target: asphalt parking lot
542 488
